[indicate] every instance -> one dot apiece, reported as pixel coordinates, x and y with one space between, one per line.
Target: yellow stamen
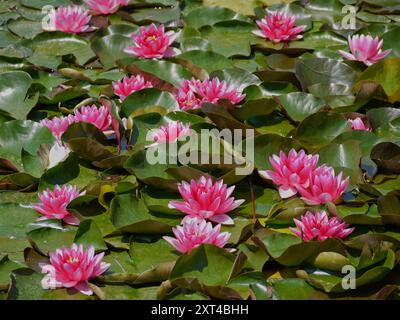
73 260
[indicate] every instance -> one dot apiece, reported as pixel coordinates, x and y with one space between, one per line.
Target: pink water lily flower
172 132
204 199
53 203
279 27
71 19
214 90
98 116
193 93
365 49
291 171
320 227
359 124
105 6
58 125
152 42
195 232
73 268
324 186
128 85
187 96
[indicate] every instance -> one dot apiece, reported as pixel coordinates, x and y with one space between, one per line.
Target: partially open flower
359 124
365 49
195 232
214 90
152 43
172 132
53 203
105 6
73 268
58 125
320 227
193 93
128 85
187 96
204 199
291 171
279 27
71 19
324 186
100 117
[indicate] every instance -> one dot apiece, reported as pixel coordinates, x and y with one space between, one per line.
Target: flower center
73 260
203 189
152 38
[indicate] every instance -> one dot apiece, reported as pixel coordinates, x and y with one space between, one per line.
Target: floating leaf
15 101
385 74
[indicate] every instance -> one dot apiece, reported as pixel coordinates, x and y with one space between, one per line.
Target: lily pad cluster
300 94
